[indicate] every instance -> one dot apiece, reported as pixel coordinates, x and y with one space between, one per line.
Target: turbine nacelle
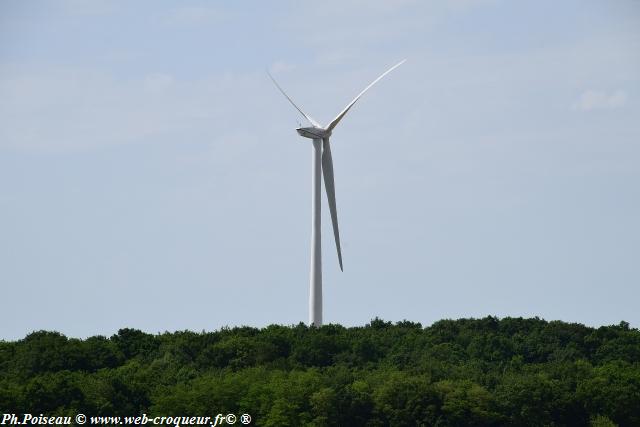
313 132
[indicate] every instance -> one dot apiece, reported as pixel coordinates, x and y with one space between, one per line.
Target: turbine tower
322 163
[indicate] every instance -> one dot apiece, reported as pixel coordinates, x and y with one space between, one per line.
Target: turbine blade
327 171
313 122
339 117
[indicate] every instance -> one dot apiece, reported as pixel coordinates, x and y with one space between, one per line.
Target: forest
466 372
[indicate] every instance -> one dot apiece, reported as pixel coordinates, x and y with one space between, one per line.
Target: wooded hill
467 372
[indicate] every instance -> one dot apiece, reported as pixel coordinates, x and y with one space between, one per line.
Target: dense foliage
468 372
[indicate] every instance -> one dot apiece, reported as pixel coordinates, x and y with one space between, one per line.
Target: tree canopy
466 372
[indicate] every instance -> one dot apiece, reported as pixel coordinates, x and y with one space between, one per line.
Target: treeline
468 372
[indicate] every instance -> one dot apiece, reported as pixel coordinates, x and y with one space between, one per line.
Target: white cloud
597 100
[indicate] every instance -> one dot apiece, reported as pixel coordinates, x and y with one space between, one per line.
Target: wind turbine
322 162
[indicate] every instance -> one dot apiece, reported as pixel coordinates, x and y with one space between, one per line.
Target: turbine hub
313 132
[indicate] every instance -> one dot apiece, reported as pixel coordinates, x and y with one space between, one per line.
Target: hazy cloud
157 83
281 66
87 7
65 108
596 100
193 15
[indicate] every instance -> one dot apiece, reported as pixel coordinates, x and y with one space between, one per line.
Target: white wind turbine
322 161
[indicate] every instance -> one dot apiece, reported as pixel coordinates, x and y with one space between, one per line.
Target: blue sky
151 177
